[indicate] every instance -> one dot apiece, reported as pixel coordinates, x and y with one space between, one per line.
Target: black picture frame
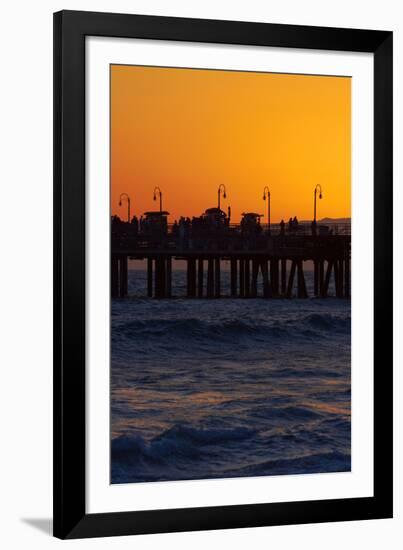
70 517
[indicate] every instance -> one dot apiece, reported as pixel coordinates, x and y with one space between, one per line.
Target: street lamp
125 196
317 188
158 190
266 192
221 187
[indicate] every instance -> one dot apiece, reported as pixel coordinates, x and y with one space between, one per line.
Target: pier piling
255 272
210 278
160 278
316 278
168 277
302 293
114 277
149 277
283 276
191 278
242 278
327 278
247 278
217 278
274 276
291 278
200 278
341 279
266 282
347 277
233 277
123 276
321 277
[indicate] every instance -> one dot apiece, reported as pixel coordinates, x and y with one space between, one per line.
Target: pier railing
229 237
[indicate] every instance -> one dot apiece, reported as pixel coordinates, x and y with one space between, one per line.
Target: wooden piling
347 278
291 279
114 277
217 278
247 278
210 278
255 272
302 293
233 277
187 279
149 277
327 278
283 276
200 278
266 282
341 278
123 276
316 278
160 277
336 278
274 278
321 277
168 277
191 278
242 278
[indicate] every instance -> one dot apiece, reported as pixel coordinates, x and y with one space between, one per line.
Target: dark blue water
226 388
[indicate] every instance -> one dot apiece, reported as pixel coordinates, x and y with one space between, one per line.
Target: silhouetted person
295 223
115 220
282 227
290 225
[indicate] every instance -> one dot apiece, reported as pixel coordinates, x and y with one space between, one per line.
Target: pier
265 263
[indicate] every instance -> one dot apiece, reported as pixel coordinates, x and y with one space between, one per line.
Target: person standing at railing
282 228
175 230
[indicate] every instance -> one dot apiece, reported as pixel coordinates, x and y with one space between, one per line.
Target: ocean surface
227 388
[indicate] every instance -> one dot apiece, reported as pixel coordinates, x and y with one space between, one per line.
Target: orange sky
189 130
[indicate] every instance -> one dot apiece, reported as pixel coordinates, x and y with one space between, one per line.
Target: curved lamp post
221 188
266 193
318 188
158 190
125 196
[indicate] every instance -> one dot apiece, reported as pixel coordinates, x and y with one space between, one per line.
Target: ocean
227 387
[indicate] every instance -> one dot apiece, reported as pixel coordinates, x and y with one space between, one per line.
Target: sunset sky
189 130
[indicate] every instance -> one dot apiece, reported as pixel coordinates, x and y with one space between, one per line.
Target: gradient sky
189 130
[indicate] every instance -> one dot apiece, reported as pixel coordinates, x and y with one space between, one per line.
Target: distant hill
329 220
335 220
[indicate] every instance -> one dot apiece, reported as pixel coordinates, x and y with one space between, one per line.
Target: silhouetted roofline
214 210
254 214
156 213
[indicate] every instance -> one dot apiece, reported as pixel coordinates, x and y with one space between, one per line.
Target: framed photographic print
223 274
